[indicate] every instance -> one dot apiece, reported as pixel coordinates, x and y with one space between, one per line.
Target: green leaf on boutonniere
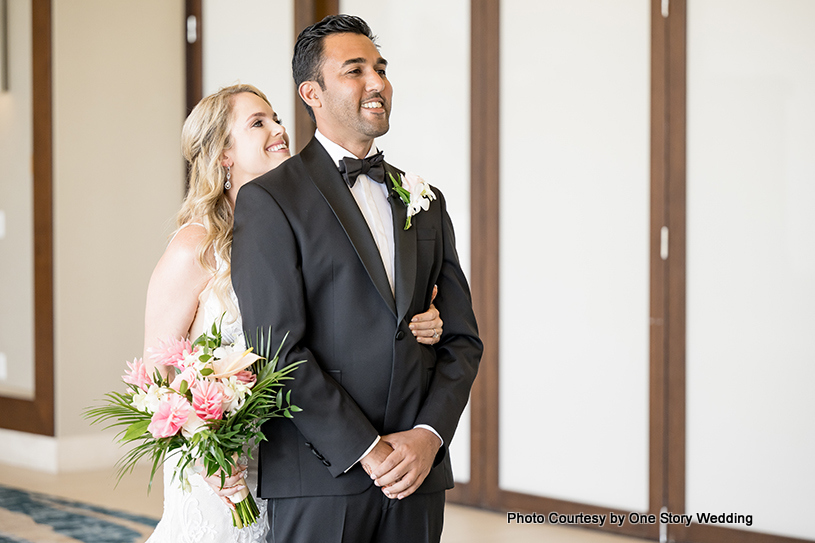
400 190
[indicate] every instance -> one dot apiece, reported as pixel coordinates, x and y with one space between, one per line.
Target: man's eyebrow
361 60
358 60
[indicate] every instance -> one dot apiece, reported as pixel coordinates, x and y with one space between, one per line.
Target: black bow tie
372 166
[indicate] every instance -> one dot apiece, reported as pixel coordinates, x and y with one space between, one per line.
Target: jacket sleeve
267 278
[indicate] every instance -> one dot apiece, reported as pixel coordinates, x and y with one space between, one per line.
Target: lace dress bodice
210 309
199 516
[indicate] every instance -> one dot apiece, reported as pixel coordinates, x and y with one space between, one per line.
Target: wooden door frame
37 416
676 210
193 53
307 12
483 488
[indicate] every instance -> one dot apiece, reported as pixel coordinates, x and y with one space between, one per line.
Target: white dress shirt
372 199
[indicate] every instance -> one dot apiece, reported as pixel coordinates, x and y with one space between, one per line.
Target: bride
230 138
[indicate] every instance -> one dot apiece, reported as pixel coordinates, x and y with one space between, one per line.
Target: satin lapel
405 248
329 182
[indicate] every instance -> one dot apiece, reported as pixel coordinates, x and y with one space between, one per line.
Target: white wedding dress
199 516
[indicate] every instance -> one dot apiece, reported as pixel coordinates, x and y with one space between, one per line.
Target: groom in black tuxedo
320 251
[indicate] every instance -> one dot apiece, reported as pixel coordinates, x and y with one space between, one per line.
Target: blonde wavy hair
204 138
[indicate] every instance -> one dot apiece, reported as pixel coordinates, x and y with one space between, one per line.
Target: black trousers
369 517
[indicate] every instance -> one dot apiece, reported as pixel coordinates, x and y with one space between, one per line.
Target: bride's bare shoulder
181 255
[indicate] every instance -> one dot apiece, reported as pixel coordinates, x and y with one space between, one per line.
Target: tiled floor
462 524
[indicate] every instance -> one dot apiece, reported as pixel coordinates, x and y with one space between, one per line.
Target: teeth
372 105
277 147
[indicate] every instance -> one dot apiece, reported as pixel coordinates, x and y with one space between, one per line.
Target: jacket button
400 334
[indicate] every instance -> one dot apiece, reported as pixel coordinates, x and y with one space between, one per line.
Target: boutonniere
415 193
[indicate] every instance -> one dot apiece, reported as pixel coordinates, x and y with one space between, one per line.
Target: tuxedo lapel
404 246
329 182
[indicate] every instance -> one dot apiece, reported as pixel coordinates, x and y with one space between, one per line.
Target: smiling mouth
372 105
278 147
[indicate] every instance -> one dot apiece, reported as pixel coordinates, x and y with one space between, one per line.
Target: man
328 260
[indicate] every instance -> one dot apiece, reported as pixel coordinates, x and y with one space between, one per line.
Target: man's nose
374 82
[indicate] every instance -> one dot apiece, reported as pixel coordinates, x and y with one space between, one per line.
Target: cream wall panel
118 72
574 250
427 45
751 262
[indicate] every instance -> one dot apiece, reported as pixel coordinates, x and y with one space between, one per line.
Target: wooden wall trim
194 54
307 12
482 490
675 194
658 375
37 415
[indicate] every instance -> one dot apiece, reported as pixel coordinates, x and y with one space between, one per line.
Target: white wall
574 250
751 262
16 212
429 67
251 41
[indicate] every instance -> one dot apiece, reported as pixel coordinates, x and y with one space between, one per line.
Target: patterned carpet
28 517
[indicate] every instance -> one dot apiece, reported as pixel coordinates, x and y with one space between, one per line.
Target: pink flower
137 374
172 413
171 352
207 398
188 375
247 378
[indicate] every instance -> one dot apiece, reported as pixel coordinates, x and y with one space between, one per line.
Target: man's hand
378 454
405 469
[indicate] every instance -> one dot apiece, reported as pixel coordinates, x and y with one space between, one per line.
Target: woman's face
259 141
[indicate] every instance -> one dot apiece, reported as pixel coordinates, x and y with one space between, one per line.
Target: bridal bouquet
209 408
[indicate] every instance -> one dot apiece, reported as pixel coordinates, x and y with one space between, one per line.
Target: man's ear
310 93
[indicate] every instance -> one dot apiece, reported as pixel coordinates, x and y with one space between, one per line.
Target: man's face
356 101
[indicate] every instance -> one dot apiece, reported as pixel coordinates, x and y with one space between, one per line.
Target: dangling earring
228 184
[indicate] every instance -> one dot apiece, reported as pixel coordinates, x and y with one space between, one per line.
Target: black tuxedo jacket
304 262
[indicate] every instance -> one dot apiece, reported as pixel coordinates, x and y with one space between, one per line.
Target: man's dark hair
307 62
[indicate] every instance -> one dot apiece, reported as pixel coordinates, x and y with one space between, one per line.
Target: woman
230 138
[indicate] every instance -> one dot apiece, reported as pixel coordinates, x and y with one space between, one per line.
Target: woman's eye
257 123
279 121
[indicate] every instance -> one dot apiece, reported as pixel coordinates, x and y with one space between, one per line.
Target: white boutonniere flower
415 192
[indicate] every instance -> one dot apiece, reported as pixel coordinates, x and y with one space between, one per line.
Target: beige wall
118 72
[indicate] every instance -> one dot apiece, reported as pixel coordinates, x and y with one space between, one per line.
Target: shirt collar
338 152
